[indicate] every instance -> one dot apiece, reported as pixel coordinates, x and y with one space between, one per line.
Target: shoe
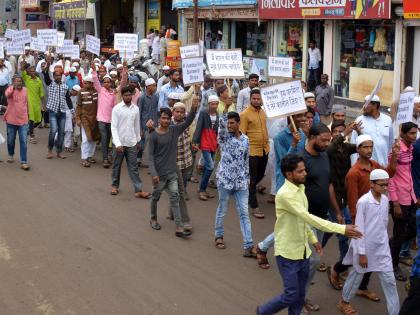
10 159
25 166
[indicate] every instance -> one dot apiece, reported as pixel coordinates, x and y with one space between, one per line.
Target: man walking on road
253 125
163 145
293 235
58 102
125 128
233 179
16 118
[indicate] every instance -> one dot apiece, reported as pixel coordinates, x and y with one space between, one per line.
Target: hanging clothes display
380 42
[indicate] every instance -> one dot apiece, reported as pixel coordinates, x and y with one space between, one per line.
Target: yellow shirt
292 232
254 125
221 108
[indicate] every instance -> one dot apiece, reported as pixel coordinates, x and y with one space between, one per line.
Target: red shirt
17 109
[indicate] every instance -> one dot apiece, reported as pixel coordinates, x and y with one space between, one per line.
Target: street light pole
195 21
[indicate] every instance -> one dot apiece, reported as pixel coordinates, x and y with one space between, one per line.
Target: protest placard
75 52
405 107
126 42
190 51
283 99
1 49
374 92
21 37
126 55
67 48
47 36
93 44
225 63
280 67
60 38
192 70
9 33
36 45
12 49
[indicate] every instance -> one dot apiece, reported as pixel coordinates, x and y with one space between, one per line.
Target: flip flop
372 296
337 286
155 225
219 243
143 195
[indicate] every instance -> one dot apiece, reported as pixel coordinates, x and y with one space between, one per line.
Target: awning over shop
179 4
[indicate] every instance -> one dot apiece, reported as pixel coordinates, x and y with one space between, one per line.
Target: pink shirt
17 109
136 97
401 184
106 101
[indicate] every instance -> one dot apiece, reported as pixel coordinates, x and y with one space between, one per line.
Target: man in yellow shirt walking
293 234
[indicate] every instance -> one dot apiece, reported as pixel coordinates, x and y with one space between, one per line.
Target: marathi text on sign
225 63
192 70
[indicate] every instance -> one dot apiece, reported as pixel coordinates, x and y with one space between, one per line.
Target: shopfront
357 41
411 13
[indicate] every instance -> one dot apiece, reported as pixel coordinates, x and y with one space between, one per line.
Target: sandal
250 252
335 283
203 196
183 234
91 160
311 306
114 191
219 243
322 267
106 164
346 308
408 261
193 180
155 225
262 259
85 163
143 195
399 275
257 213
372 296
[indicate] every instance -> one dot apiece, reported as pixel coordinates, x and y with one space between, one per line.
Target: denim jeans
169 183
130 157
267 243
295 275
57 124
23 144
143 143
208 159
105 130
241 200
388 285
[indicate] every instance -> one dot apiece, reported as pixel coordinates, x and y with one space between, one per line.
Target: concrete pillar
397 58
139 18
416 60
328 48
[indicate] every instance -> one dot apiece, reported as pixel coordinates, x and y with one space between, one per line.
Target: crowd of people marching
328 175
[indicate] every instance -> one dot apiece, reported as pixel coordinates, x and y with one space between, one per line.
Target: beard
317 148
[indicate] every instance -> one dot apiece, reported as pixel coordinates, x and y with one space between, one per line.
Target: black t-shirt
317 183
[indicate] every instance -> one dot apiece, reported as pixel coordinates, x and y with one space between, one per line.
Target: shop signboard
192 70
25 4
177 4
324 9
411 9
284 99
68 10
153 14
225 63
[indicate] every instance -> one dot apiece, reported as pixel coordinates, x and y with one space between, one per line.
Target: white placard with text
192 70
225 63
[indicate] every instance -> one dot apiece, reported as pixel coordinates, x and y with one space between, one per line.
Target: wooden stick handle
293 124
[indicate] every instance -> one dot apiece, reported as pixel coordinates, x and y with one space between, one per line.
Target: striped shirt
401 184
184 154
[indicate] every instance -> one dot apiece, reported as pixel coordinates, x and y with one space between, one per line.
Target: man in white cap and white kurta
371 252
164 78
379 127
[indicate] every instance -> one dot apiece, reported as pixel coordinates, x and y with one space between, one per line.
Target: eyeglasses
385 185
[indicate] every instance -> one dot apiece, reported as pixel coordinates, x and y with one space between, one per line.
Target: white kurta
372 222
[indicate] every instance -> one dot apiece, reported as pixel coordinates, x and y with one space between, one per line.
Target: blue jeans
23 137
267 242
295 275
208 159
57 124
241 200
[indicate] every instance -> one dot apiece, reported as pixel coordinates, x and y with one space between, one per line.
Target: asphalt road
68 247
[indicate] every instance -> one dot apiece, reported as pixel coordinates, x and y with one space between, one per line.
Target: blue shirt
5 77
164 92
415 269
233 170
72 82
415 168
282 147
